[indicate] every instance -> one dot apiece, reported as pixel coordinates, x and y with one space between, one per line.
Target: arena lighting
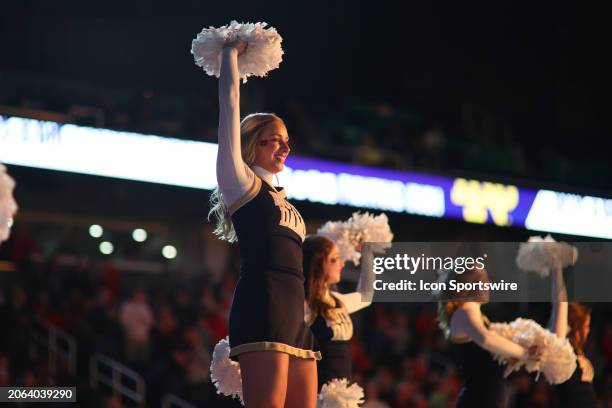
95 231
106 248
139 235
155 159
169 252
103 152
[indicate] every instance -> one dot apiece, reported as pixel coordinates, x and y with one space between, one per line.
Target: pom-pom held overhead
263 54
8 206
541 255
557 361
350 235
337 393
224 372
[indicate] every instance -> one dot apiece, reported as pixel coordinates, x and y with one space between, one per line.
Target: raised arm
361 298
558 318
233 175
468 322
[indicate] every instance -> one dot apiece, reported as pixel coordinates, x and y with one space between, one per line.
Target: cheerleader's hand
535 353
240 45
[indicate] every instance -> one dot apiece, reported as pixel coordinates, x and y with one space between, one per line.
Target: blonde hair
250 129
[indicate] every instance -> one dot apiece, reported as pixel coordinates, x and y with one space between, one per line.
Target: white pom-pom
8 206
224 372
350 235
337 393
543 255
557 361
263 54
338 232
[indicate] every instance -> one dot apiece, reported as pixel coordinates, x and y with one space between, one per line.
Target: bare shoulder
460 316
463 322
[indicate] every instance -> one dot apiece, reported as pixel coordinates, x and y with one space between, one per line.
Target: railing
114 378
61 346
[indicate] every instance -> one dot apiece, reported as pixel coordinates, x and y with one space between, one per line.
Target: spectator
136 318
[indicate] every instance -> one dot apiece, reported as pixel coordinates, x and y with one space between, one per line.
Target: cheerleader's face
272 148
332 266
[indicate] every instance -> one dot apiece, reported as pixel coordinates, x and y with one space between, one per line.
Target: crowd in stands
165 329
468 140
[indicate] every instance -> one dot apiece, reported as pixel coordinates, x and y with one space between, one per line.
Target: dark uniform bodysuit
578 391
268 306
334 339
484 384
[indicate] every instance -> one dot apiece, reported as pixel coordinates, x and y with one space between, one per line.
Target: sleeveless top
484 384
333 336
578 391
267 312
270 231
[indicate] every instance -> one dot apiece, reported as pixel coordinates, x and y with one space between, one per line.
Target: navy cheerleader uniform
484 385
268 305
333 335
578 391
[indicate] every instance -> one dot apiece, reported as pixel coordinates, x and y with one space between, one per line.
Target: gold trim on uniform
338 319
340 323
274 346
248 196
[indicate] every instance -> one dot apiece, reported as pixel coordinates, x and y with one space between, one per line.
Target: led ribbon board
154 159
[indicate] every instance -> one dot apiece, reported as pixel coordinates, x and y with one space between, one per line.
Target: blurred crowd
165 328
466 138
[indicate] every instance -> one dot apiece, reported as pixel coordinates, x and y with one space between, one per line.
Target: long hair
445 313
250 129
577 316
315 249
452 300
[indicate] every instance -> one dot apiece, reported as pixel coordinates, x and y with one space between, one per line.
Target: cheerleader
473 344
267 332
572 320
328 312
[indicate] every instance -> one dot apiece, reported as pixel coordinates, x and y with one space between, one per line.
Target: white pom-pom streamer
350 235
224 372
8 206
337 393
544 255
263 54
557 361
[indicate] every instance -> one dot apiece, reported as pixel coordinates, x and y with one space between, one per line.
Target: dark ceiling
528 62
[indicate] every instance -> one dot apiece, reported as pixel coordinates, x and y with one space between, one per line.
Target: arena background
509 92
